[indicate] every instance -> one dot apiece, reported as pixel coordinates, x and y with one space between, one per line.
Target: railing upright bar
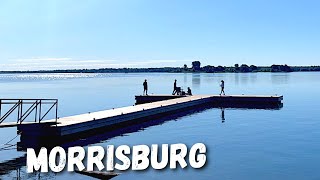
21 110
56 110
47 111
8 113
35 114
18 111
40 110
28 112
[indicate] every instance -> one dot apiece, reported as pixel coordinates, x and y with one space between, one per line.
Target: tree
236 67
286 68
185 67
220 69
209 69
253 68
244 68
196 65
280 68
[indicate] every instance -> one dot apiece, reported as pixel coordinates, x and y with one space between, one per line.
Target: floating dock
217 99
72 125
142 99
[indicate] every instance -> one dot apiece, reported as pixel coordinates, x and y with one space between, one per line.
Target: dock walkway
90 121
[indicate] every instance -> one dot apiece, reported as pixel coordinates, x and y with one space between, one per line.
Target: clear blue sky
39 34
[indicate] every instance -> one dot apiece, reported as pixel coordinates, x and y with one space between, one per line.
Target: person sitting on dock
174 87
222 88
145 87
189 91
178 91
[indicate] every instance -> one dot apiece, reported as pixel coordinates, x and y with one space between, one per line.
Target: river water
249 144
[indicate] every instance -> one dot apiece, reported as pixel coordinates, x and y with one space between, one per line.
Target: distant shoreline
195 69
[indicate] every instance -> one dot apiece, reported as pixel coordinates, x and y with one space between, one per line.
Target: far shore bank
196 68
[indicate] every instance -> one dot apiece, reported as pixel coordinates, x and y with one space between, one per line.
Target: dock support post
56 111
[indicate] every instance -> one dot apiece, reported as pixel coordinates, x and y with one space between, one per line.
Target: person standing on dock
222 88
145 87
174 87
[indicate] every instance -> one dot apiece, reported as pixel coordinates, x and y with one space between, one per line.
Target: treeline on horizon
196 67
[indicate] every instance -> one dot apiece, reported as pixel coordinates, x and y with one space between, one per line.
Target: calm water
250 144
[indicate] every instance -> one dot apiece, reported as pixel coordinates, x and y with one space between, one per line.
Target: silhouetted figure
189 91
222 115
145 87
222 88
174 87
179 91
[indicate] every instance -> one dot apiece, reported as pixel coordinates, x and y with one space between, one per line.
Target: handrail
28 112
55 104
34 105
9 112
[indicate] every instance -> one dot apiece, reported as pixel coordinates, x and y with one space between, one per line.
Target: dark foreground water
249 144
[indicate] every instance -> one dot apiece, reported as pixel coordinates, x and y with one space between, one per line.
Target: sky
84 34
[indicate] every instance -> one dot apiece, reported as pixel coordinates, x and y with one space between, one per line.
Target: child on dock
189 91
222 88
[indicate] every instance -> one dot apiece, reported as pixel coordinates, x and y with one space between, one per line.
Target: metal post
56 111
0 106
18 111
35 116
21 109
40 111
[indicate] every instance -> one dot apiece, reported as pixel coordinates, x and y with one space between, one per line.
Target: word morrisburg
111 158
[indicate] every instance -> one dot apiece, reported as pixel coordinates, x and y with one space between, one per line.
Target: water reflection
236 78
244 78
280 78
222 115
196 80
12 165
253 78
185 78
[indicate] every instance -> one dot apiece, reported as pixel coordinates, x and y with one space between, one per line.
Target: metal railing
35 106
